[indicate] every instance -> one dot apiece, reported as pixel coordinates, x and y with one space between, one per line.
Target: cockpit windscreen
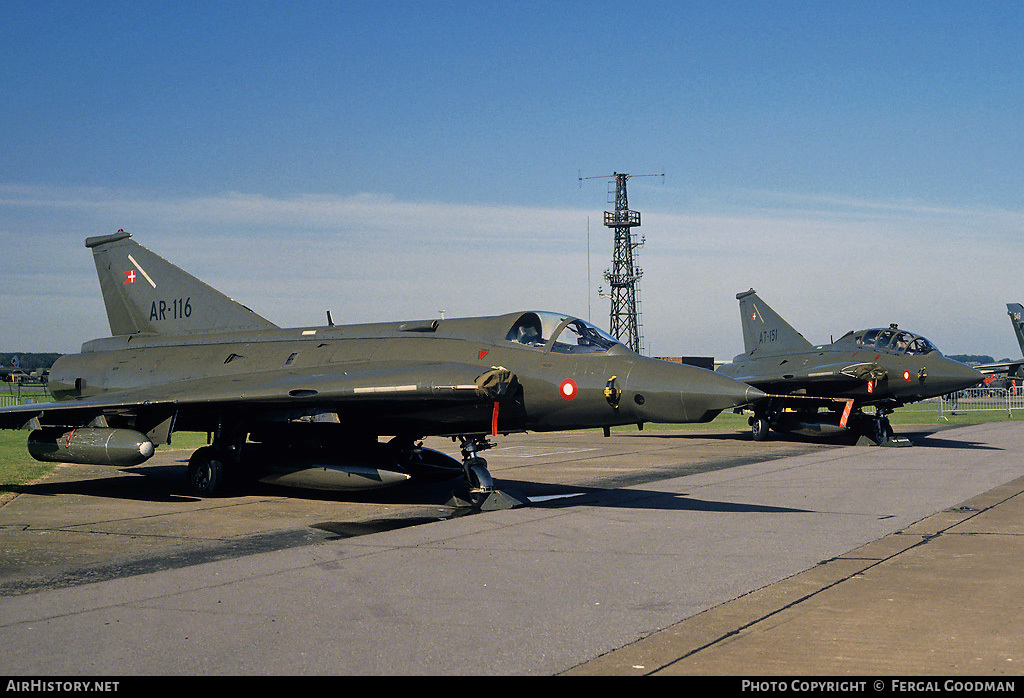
897 341
571 335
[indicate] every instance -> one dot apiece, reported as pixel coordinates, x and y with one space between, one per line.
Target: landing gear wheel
480 492
206 472
478 476
882 430
759 427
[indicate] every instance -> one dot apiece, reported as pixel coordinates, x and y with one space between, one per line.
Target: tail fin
1016 313
764 331
144 293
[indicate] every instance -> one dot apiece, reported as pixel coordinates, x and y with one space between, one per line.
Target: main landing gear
207 471
215 468
480 492
759 427
212 468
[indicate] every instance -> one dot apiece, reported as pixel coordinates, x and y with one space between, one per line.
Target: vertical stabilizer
144 293
1016 313
764 331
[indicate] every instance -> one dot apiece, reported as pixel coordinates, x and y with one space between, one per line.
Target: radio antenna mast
624 276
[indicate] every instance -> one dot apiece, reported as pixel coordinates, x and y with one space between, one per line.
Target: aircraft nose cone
950 376
716 393
723 395
960 376
665 392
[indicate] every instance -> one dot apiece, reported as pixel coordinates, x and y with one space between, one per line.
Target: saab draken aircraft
312 404
810 387
1012 372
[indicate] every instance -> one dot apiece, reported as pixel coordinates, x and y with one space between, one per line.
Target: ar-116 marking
178 309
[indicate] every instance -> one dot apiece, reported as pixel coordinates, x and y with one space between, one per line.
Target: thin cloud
827 263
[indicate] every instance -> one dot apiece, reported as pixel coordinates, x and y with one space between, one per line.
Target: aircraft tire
206 472
480 476
759 428
883 430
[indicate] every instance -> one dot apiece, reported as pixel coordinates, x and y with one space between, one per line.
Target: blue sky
858 163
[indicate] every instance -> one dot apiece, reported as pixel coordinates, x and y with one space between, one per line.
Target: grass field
18 468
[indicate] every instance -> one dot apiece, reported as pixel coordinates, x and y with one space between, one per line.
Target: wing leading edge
428 385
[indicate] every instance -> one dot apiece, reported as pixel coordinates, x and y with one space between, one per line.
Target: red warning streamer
846 413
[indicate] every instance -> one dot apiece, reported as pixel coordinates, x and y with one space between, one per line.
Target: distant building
707 362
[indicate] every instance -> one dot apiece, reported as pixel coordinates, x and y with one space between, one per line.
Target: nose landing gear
480 491
878 432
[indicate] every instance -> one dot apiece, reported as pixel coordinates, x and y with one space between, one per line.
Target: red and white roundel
567 389
906 375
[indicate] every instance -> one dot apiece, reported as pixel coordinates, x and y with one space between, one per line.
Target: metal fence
23 397
970 400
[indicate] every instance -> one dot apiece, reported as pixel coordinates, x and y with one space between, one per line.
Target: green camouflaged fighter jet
813 387
1009 374
309 406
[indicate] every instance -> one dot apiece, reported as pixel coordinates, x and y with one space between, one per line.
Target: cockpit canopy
567 335
896 340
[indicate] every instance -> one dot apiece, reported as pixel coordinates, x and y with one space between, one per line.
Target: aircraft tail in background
1016 313
764 330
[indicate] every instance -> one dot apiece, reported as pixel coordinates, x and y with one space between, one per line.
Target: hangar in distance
813 387
336 406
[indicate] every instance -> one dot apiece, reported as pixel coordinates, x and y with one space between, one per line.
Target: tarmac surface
647 553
